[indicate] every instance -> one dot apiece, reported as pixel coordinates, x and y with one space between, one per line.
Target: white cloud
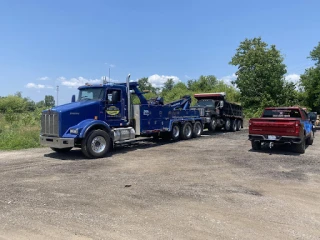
228 79
43 78
293 78
186 76
80 81
37 86
158 81
110 65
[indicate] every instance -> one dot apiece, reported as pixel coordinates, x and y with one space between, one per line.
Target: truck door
114 109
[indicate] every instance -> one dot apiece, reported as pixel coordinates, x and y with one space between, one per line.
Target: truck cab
103 115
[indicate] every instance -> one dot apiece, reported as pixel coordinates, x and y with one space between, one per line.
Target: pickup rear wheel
197 129
310 139
212 124
256 145
186 131
301 147
96 144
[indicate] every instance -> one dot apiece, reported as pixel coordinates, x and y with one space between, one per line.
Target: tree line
260 82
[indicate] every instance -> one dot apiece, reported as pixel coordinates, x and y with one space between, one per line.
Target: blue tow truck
104 115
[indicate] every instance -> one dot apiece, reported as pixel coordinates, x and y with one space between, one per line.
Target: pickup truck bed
281 125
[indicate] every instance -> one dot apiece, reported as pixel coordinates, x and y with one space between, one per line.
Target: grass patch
20 131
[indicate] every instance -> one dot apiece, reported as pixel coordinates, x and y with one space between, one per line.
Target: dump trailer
217 113
103 116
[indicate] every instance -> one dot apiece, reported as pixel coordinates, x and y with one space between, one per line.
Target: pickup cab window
281 113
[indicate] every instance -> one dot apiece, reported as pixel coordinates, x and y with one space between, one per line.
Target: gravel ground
214 187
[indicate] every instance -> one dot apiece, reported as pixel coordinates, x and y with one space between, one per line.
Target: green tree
260 75
168 85
310 81
49 101
145 85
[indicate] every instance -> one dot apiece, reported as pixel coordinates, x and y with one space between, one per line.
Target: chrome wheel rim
188 131
175 131
98 144
198 128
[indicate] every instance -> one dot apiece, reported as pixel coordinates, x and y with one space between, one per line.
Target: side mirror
73 98
221 103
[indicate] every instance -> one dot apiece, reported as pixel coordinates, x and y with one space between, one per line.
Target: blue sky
48 43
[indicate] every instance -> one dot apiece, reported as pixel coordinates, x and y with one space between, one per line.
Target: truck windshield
281 113
90 94
205 103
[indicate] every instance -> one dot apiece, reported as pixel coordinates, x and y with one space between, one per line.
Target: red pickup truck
289 125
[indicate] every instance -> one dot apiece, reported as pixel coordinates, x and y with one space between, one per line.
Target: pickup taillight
298 124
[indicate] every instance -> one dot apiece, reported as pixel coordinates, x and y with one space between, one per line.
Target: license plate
272 137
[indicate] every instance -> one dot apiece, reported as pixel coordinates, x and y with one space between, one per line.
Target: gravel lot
214 187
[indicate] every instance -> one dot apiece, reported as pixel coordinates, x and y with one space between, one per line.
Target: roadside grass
19 131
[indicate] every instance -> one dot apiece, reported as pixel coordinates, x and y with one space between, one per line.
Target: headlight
74 131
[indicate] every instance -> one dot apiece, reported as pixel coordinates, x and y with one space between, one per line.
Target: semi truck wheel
186 131
227 124
61 150
233 125
212 124
96 144
175 132
238 125
197 129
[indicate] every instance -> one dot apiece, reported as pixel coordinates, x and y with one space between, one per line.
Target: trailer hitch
271 144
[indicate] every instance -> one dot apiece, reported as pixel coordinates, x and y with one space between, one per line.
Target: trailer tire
96 144
197 129
301 147
175 132
61 150
186 131
256 145
233 125
227 125
212 124
238 125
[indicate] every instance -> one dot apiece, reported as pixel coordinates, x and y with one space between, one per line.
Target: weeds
19 130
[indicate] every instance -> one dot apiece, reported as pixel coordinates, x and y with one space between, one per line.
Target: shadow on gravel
279 149
76 154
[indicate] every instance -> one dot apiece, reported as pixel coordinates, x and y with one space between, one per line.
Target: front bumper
56 142
279 139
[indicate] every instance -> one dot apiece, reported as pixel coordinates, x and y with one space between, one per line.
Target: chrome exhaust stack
129 99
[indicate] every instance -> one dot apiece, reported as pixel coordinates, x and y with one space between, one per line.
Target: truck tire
238 125
227 125
256 145
212 124
61 150
301 147
197 129
175 132
96 144
186 131
233 125
310 139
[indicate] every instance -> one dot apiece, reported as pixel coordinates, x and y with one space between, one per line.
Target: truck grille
201 111
50 124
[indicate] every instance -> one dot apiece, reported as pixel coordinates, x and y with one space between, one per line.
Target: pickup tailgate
274 126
